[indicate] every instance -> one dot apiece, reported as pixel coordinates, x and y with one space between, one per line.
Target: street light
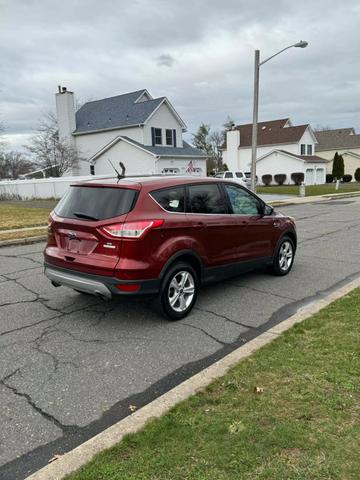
258 64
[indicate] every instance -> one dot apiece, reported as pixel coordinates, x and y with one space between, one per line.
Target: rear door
77 225
210 222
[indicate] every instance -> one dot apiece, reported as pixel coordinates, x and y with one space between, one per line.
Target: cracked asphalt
71 365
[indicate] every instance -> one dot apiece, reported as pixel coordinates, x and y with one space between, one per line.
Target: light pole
258 64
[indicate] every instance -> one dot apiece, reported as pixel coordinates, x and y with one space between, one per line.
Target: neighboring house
144 133
342 140
282 149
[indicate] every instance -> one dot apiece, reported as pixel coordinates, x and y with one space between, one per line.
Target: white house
345 141
282 149
144 133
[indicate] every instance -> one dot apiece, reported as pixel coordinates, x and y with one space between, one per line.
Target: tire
173 302
284 257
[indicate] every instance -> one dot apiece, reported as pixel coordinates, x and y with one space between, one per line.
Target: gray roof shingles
186 151
337 139
114 112
307 158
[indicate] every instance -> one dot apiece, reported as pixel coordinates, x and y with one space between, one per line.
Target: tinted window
242 202
239 174
228 175
95 202
171 199
206 199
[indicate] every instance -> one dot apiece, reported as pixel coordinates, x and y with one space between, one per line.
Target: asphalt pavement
72 365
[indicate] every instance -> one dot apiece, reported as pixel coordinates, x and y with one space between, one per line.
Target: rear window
95 203
170 199
206 199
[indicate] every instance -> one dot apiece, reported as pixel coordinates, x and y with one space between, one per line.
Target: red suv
162 236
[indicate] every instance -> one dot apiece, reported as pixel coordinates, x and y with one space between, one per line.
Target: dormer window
171 137
303 149
309 150
156 136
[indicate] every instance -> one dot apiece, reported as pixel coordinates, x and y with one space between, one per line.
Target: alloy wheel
285 256
181 291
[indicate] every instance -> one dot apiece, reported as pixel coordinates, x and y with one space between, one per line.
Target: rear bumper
105 287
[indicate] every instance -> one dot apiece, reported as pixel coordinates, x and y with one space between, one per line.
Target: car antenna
119 175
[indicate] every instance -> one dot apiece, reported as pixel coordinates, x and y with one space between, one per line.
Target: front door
254 232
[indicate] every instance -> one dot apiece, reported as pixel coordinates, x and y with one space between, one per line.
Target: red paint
137 245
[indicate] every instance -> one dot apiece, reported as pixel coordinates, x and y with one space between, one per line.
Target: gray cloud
165 60
99 49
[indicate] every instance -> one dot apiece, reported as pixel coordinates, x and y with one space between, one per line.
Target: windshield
95 203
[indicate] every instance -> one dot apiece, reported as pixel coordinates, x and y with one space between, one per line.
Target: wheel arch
188 256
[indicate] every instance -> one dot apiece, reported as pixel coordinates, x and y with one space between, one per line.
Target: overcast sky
198 53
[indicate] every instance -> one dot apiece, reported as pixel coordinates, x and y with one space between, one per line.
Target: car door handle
200 225
276 224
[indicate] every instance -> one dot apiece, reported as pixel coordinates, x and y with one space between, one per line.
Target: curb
23 241
313 199
82 454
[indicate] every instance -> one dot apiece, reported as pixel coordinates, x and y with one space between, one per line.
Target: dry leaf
55 457
258 390
132 408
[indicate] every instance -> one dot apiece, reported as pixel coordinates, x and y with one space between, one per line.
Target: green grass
22 214
310 190
25 234
304 426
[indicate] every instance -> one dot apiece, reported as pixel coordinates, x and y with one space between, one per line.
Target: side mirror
268 210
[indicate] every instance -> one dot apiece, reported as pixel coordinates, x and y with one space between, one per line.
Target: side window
239 174
228 175
242 202
170 199
206 198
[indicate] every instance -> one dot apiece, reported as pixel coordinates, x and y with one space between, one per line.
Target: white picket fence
40 187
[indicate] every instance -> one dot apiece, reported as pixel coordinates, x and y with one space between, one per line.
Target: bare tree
210 143
49 151
13 164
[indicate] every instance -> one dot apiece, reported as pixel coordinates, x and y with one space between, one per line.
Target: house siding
163 118
350 163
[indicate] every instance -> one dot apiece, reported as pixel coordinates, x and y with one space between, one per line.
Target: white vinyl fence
40 187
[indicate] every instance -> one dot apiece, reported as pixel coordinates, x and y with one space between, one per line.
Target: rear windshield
95 203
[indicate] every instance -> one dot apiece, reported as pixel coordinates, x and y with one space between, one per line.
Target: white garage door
320 177
309 176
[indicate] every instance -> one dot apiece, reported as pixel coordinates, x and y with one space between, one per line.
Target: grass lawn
305 425
310 190
23 214
26 234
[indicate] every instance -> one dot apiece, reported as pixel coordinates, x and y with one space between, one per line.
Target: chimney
232 148
65 112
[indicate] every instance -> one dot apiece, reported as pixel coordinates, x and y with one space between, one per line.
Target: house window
169 137
92 169
309 150
302 149
158 136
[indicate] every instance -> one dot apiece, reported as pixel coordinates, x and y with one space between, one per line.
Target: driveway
71 365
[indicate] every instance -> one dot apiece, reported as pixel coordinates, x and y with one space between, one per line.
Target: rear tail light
132 229
51 241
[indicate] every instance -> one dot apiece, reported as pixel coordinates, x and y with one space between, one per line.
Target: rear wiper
83 215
